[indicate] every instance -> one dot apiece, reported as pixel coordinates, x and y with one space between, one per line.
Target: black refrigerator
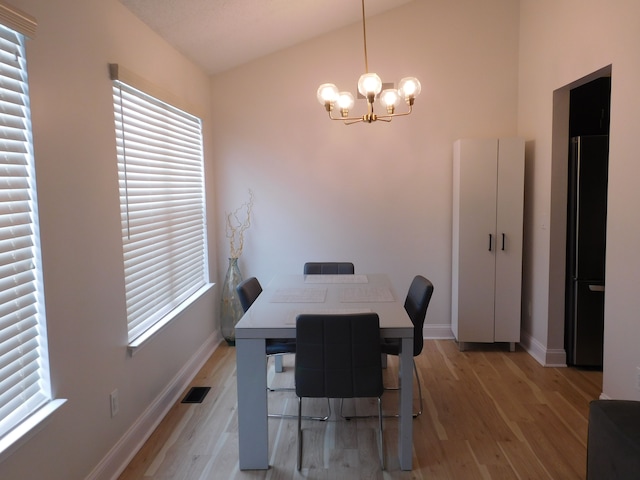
586 249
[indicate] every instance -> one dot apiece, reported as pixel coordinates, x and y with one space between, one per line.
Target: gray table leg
253 431
405 433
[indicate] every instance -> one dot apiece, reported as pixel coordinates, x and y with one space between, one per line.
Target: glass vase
230 308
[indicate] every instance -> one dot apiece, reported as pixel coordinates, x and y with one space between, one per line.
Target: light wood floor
489 414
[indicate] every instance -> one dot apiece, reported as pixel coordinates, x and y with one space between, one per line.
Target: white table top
274 312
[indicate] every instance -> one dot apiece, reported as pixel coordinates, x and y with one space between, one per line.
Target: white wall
80 229
377 194
560 43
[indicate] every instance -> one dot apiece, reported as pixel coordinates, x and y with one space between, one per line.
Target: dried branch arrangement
237 227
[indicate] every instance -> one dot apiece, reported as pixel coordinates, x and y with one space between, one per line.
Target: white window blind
162 198
24 374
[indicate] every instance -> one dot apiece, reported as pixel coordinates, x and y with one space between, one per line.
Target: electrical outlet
115 405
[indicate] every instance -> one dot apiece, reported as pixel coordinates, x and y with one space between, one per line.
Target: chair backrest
248 290
338 355
329 268
416 305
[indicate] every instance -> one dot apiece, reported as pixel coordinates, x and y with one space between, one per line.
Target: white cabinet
488 202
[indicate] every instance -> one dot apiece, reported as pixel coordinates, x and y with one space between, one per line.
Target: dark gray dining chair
338 356
248 291
329 268
415 304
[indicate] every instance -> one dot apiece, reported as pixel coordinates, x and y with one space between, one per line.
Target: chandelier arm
401 114
352 120
345 119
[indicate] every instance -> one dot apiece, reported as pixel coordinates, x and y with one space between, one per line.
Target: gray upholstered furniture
338 357
613 447
248 291
329 268
415 304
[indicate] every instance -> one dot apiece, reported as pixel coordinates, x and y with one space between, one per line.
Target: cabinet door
509 222
476 220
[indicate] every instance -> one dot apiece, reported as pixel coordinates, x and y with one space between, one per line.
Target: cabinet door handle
490 241
503 237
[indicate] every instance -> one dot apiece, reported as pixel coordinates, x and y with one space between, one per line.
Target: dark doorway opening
586 222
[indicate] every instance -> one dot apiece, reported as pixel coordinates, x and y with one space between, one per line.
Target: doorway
589 113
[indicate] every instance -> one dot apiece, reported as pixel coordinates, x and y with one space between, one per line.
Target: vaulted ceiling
221 34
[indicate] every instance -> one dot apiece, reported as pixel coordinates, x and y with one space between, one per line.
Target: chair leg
299 464
307 417
278 363
415 370
397 415
419 412
279 368
281 389
381 434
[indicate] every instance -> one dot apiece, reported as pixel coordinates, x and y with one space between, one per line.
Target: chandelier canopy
370 87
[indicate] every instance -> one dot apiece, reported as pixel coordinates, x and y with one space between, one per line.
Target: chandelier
370 87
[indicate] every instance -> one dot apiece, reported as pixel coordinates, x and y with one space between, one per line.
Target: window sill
143 339
28 428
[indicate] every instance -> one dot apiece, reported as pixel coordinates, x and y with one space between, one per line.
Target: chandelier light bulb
409 88
390 99
327 94
345 102
369 84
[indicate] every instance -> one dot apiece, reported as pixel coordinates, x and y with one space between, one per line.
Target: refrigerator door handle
596 288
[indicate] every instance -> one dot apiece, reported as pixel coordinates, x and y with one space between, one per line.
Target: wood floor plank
559 456
489 414
524 462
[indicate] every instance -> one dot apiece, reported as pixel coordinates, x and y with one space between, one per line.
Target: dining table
273 315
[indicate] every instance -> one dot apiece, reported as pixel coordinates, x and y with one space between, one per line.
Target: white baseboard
114 463
547 357
437 332
544 356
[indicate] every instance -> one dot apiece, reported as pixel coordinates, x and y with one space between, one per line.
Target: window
161 175
24 373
